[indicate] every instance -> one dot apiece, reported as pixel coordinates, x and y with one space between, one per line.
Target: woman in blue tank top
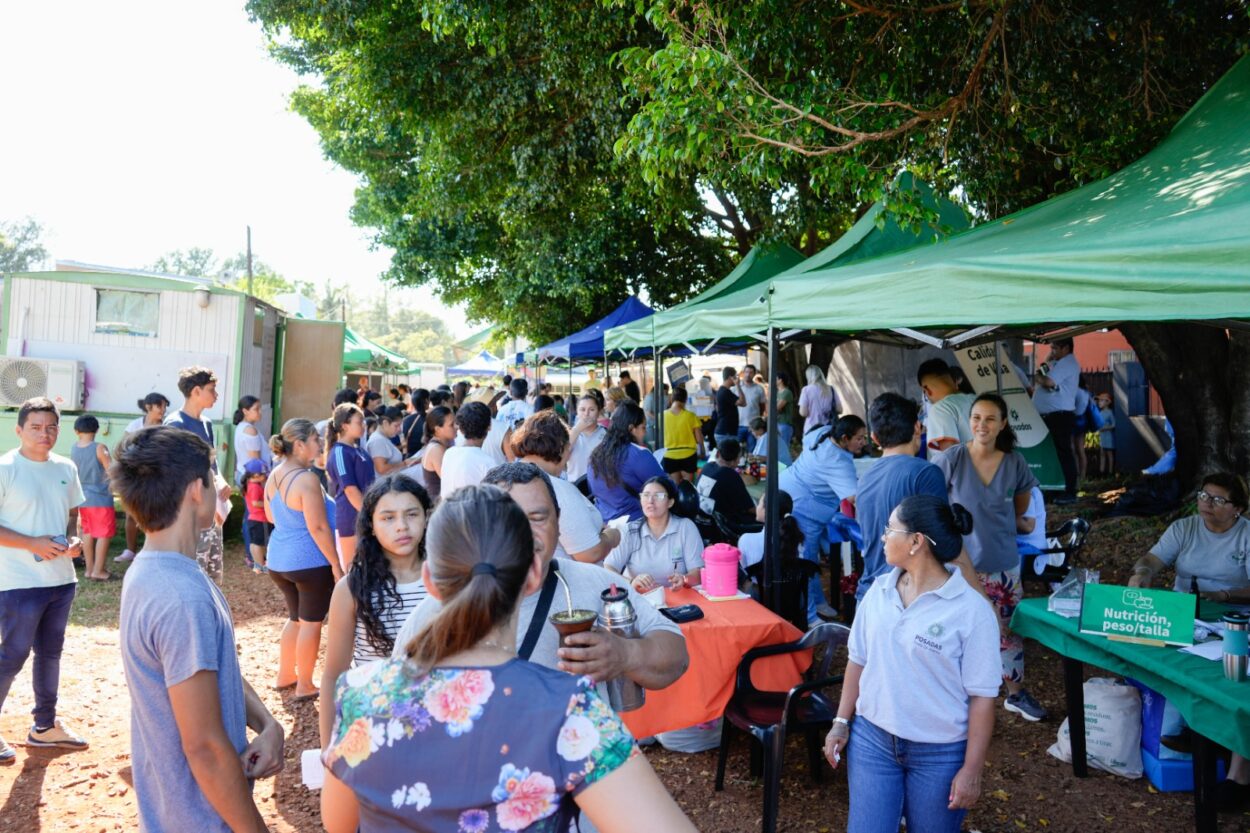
302 561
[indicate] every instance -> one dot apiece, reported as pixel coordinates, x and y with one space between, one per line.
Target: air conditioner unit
60 380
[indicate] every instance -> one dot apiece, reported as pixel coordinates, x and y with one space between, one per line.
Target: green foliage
196 262
20 247
1008 102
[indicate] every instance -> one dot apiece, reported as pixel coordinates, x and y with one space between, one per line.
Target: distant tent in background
468 349
361 354
484 365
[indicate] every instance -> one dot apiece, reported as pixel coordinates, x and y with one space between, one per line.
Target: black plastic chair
770 715
1068 539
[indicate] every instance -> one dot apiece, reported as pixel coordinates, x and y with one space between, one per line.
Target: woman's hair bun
962 518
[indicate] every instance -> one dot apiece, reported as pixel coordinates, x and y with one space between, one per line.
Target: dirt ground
1024 788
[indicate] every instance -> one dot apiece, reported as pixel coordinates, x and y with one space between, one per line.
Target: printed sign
1035 443
1138 614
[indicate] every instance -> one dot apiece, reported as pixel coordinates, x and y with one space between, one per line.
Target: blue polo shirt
348 465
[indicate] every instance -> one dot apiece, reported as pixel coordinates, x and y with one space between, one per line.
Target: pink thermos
720 571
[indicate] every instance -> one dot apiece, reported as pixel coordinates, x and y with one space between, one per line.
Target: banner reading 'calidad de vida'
1035 442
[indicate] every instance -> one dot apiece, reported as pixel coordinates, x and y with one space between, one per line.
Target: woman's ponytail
479 550
943 524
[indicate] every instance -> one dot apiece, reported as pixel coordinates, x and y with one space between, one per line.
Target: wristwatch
843 721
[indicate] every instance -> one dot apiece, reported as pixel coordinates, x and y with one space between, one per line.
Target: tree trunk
1202 375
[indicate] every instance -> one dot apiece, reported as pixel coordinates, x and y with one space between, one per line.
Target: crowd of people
424 532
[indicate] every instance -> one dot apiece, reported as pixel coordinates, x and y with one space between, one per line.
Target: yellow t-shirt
679 442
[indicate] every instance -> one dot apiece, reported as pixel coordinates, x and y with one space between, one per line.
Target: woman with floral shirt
464 736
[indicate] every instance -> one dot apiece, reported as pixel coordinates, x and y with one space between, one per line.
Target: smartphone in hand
58 539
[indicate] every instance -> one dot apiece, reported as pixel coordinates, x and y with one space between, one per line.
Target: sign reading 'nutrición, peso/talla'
1138 614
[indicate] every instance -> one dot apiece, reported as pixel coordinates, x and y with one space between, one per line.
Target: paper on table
1213 650
311 769
704 594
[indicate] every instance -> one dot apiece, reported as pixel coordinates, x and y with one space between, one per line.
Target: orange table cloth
716 644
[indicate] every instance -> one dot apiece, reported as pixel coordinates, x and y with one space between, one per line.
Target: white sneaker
127 555
55 735
7 754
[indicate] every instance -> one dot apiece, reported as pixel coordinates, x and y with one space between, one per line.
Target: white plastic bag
1112 729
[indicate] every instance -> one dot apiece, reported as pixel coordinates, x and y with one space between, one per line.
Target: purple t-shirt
636 466
818 404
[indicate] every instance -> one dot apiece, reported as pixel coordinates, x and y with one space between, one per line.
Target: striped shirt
393 618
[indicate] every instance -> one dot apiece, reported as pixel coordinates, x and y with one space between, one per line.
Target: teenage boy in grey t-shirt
190 707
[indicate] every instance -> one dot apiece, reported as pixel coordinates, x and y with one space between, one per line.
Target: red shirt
254 493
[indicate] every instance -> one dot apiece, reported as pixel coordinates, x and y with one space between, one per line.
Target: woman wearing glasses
660 548
917 707
1208 550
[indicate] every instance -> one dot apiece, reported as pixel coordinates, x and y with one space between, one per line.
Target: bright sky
132 129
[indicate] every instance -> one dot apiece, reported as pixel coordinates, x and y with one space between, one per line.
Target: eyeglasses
1206 497
889 530
653 496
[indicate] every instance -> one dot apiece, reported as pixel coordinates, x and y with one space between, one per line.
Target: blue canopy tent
482 365
586 345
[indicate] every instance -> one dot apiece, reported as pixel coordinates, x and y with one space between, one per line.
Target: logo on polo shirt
930 644
936 630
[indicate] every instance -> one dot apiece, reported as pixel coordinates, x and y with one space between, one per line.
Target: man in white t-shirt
1054 393
516 409
750 402
37 580
947 421
466 464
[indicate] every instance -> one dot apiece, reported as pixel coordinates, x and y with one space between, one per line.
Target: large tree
484 136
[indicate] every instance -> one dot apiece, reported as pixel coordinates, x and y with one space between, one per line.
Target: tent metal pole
658 393
772 523
998 367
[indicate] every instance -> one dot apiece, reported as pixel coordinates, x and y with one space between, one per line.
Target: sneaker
826 612
127 555
1023 704
55 735
7 753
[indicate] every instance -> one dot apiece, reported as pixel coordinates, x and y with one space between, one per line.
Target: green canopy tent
664 328
1165 239
361 354
739 309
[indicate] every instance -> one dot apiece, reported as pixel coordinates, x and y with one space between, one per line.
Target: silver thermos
617 616
1235 647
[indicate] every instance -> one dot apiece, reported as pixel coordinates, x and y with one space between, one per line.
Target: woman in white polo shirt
921 680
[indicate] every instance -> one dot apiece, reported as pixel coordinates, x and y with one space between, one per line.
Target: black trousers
1062 424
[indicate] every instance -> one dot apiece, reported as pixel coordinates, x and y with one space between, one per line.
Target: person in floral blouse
464 736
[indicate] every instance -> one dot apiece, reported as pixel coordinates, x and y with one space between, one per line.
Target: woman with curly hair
373 600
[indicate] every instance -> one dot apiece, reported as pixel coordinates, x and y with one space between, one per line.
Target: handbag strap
540 612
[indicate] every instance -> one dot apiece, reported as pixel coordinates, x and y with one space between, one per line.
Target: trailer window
121 312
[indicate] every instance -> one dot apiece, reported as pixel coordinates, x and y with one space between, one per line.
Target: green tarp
1167 238
760 264
359 353
735 307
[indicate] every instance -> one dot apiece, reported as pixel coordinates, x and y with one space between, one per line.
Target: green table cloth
1213 706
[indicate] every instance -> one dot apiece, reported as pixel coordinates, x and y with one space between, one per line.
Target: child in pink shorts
97 518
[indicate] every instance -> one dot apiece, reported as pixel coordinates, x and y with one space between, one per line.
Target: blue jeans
785 433
34 618
892 778
813 538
